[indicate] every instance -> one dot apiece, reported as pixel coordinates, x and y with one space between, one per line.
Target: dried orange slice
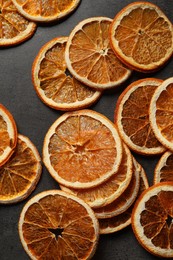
160 114
125 200
45 11
164 169
111 189
142 36
13 26
132 117
21 173
121 221
8 134
56 225
53 86
82 149
89 56
152 219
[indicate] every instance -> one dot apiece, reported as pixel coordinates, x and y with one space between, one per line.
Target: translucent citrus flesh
19 173
144 35
91 56
82 149
155 219
5 140
164 169
46 8
134 113
61 90
58 227
164 113
13 25
111 189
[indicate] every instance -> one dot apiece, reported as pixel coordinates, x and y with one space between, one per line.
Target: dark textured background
33 119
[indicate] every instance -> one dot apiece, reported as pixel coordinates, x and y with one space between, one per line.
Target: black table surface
33 119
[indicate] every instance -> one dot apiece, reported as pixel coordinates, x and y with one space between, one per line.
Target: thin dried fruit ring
90 58
152 219
132 117
21 173
109 190
14 27
8 133
142 36
45 11
53 86
163 171
57 225
82 149
160 113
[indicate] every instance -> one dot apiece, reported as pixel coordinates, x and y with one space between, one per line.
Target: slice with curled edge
8 134
21 173
109 190
45 11
82 149
52 84
121 221
90 58
152 219
142 36
56 225
14 27
132 117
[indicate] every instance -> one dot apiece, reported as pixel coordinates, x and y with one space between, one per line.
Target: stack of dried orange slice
20 163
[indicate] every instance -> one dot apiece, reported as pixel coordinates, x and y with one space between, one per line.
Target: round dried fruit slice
45 11
142 36
13 26
132 117
89 56
164 169
21 173
8 133
82 149
119 222
53 86
152 219
160 113
109 190
57 225
125 200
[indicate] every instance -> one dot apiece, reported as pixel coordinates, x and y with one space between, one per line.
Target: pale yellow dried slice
109 190
45 11
14 28
8 134
56 225
90 58
82 149
52 83
21 173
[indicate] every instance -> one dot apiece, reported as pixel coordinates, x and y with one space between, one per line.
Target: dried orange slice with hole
152 219
8 133
161 113
125 200
132 117
90 58
121 221
109 190
56 225
82 149
53 85
142 36
45 11
21 173
13 26
163 171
